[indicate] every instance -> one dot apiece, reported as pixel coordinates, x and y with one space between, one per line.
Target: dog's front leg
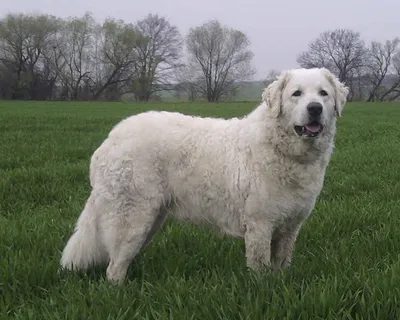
283 242
257 238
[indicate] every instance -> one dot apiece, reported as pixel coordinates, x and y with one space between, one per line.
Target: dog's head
307 101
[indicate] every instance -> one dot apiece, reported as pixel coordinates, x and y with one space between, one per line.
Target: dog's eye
323 93
297 93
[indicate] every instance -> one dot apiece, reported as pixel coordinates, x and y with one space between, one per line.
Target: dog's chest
292 189
292 176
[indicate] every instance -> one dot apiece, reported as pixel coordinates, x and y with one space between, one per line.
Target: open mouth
311 130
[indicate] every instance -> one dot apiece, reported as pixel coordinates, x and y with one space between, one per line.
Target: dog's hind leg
126 230
158 223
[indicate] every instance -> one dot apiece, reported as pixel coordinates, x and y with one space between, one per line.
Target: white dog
257 177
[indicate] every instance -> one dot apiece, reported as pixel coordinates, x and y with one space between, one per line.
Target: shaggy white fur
257 177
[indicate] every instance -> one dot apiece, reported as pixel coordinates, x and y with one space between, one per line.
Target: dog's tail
85 248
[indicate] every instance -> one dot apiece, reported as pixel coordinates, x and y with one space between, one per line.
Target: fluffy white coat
252 177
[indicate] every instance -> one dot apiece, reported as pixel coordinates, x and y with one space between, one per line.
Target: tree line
43 57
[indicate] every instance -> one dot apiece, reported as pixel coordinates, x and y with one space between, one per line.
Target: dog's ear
341 91
272 94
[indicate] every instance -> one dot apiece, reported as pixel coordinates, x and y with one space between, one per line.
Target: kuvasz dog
256 177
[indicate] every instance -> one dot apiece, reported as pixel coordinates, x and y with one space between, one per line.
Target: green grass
347 257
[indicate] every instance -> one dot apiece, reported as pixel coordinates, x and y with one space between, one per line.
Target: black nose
314 108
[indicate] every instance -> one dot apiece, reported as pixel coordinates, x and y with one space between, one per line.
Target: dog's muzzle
313 128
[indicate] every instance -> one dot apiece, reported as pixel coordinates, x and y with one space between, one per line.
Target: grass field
346 262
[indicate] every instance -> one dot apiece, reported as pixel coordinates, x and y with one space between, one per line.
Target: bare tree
114 59
24 39
52 61
14 35
75 48
393 87
187 82
380 66
220 58
42 29
158 56
342 51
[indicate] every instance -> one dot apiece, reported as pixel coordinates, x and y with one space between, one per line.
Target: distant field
346 262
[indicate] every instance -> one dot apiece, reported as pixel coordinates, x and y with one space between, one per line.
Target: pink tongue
313 127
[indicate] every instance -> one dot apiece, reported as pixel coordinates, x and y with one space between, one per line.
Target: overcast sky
278 29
